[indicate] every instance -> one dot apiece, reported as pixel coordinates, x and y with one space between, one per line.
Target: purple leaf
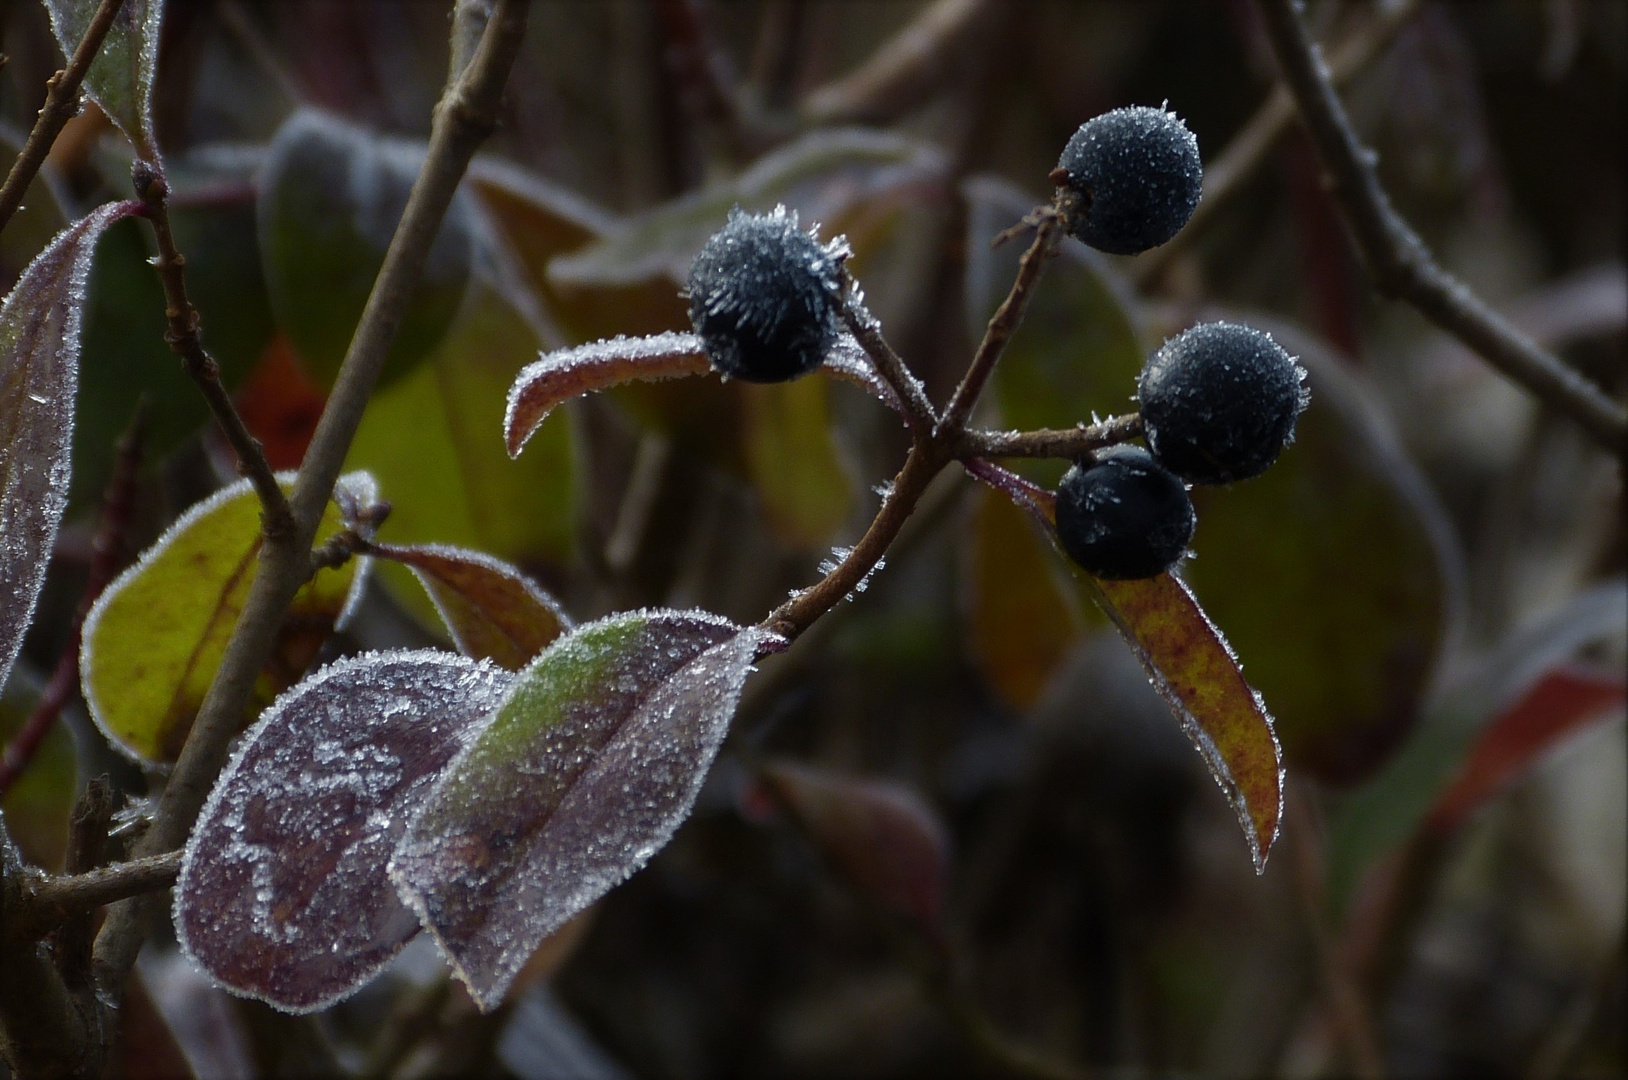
39 373
283 894
564 374
491 609
583 774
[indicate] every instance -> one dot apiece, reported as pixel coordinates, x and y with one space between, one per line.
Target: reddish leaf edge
270 716
559 376
354 489
1042 505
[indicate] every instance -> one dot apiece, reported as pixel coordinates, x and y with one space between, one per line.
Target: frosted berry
1219 402
1123 516
1138 173
761 297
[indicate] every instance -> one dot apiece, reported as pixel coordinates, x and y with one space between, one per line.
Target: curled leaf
283 894
155 637
583 773
564 374
40 323
492 610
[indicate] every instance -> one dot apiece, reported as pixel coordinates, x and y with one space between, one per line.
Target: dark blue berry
762 299
1138 174
1219 402
1123 516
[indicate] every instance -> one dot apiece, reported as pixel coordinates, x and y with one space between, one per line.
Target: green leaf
1196 672
1335 573
331 194
822 175
1080 348
434 442
1021 620
37 804
492 610
582 774
793 460
120 79
40 322
154 639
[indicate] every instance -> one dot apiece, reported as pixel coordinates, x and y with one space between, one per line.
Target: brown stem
867 330
61 103
466 114
183 339
45 1029
1048 226
87 847
1071 443
118 504
1398 262
54 901
705 77
1238 160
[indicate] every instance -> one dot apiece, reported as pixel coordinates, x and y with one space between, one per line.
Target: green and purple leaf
584 772
120 79
155 637
283 894
492 610
40 322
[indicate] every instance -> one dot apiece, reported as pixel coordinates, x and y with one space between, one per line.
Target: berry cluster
1218 402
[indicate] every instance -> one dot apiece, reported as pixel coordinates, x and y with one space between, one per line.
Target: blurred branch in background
1398 261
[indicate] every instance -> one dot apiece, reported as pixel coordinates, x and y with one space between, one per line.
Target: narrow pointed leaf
583 774
564 374
154 638
492 610
40 322
120 79
283 894
884 838
1193 668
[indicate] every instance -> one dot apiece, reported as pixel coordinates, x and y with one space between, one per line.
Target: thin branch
1072 443
900 73
706 78
87 849
118 504
466 114
61 103
183 339
1398 262
1048 224
1239 159
55 900
867 329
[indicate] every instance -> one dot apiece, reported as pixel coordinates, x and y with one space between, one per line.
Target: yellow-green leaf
155 638
793 460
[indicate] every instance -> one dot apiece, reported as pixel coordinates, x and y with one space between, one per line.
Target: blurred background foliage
1428 589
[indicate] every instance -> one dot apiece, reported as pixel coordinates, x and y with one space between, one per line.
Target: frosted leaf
583 774
559 376
39 374
120 79
492 610
567 373
283 894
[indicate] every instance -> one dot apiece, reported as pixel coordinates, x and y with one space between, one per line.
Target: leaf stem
1400 265
183 339
118 505
867 330
1072 443
55 900
61 103
466 114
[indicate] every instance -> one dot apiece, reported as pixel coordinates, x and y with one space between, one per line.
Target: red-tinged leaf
280 405
564 374
40 322
583 773
492 610
1195 671
1562 701
283 894
882 837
